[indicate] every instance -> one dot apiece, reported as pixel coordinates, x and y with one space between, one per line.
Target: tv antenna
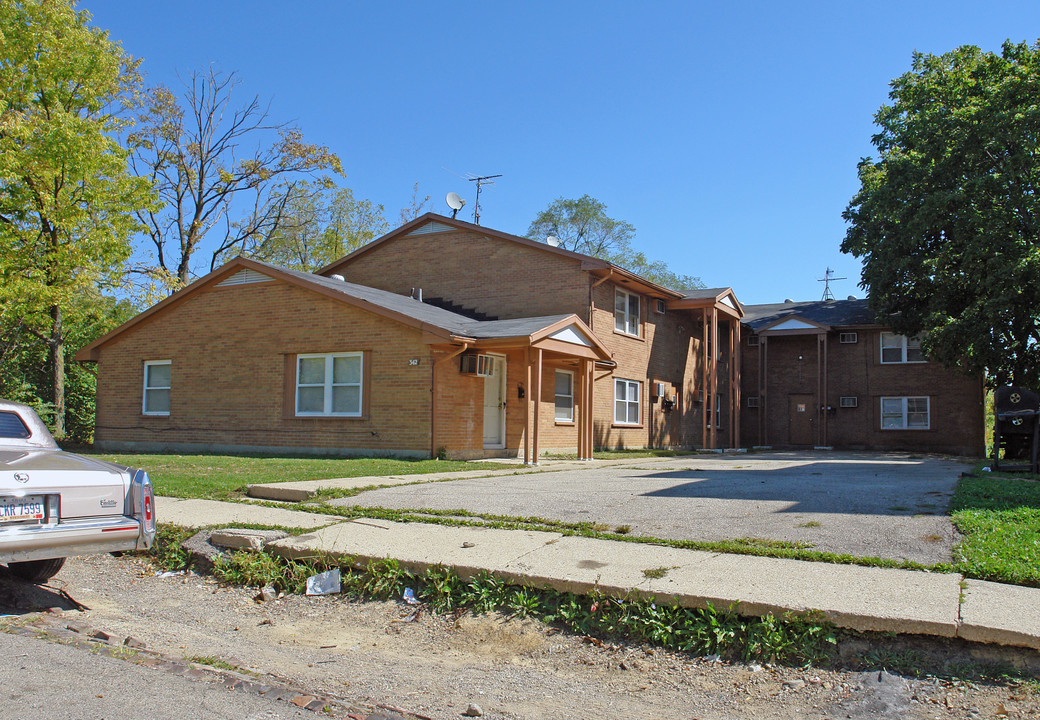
826 279
454 202
482 180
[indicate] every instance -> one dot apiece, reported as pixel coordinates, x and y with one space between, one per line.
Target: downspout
433 396
592 286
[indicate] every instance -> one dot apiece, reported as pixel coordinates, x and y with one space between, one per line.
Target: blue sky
727 134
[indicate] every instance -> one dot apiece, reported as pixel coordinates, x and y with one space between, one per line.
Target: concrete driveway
882 505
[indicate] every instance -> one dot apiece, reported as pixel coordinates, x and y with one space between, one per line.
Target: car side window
11 426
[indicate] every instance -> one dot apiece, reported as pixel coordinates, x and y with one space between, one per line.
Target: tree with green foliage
583 226
947 219
67 198
225 174
319 225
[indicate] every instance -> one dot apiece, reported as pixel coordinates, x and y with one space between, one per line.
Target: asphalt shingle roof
834 313
425 313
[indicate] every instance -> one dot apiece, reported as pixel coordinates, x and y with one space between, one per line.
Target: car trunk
88 488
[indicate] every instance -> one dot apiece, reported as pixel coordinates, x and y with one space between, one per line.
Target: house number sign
413 361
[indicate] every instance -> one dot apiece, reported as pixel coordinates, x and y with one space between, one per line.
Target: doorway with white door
495 405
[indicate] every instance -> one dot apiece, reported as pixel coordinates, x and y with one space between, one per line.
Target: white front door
495 405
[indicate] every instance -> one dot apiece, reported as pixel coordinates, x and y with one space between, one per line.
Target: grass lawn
219 477
999 517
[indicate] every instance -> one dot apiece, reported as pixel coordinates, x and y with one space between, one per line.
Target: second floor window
626 312
900 349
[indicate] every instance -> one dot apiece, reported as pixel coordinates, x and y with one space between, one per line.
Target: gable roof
406 310
440 223
723 299
821 313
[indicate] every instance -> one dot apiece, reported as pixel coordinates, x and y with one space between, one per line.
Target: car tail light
144 507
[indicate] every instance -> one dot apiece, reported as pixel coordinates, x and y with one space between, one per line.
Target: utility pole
482 180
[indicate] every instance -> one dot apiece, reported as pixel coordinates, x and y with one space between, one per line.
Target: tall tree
224 174
947 219
583 226
416 207
66 196
320 225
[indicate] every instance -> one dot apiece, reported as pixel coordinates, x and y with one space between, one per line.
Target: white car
54 504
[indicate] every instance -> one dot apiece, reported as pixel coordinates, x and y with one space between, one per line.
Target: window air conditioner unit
478 365
849 401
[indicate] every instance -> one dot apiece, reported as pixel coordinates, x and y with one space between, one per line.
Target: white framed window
564 396
717 411
900 349
626 402
155 399
848 401
329 384
905 413
848 338
626 312
660 306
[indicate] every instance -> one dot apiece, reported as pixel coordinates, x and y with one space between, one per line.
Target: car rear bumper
71 537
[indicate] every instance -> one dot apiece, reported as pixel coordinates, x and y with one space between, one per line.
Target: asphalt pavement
868 505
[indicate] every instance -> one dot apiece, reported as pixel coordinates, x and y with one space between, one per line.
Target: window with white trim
905 413
564 396
752 340
848 338
900 349
626 312
626 402
717 411
329 385
156 397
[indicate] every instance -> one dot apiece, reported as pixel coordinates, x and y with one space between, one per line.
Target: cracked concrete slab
1003 614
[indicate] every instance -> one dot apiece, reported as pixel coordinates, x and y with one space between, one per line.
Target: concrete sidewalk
303 490
861 598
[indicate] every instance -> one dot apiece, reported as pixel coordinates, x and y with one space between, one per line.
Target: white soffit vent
726 301
430 227
244 277
794 325
572 334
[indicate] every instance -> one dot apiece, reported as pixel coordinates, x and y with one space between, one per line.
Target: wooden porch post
590 442
537 404
527 408
736 383
714 373
763 394
704 378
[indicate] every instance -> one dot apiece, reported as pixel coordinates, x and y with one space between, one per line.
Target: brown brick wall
494 276
232 385
855 369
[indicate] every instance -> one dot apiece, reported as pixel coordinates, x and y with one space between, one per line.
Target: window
752 401
752 340
717 408
12 427
900 349
329 385
156 397
626 312
848 401
848 338
660 306
564 396
626 402
904 413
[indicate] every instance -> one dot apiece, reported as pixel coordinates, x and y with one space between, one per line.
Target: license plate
20 509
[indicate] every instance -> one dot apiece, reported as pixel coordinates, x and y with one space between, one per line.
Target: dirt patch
436 665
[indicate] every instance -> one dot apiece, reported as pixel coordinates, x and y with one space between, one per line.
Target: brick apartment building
828 374
444 337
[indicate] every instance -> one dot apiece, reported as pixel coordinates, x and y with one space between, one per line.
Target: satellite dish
454 202
553 241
